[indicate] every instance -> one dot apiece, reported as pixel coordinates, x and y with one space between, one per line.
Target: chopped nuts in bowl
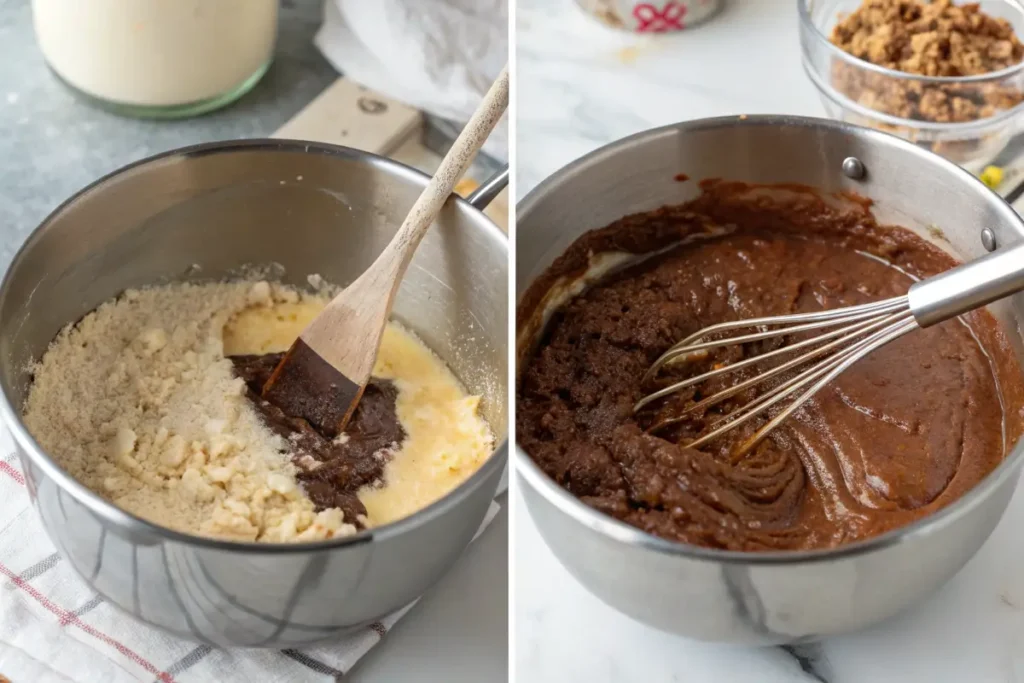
949 77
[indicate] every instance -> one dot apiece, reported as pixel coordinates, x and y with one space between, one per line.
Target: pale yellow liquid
446 439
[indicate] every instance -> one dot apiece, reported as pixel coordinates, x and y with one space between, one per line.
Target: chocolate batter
904 432
332 470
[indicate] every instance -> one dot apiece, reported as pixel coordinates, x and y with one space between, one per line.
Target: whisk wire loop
848 332
797 322
927 302
859 330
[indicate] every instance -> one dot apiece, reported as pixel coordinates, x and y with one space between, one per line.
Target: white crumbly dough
139 403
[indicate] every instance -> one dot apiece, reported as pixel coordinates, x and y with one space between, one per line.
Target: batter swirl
904 432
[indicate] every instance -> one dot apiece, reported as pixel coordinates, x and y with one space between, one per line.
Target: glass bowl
987 106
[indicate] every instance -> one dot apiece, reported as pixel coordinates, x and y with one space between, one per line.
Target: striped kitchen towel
53 629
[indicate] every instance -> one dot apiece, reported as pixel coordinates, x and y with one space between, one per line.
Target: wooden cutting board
348 114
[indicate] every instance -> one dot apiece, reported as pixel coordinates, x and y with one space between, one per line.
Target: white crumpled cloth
439 56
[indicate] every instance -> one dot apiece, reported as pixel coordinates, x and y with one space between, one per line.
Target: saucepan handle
969 286
492 187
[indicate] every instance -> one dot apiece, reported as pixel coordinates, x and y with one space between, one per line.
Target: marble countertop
581 85
608 85
54 144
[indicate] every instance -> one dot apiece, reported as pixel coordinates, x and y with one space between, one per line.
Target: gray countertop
53 143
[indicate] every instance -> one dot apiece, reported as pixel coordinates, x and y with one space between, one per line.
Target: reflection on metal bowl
203 213
768 597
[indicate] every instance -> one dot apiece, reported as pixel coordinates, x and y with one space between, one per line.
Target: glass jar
158 58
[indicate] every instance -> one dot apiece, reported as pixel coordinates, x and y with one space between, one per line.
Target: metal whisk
858 330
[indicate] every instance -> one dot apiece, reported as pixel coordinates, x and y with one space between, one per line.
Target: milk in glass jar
158 58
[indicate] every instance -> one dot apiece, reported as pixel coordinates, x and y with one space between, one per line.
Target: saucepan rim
134 524
629 535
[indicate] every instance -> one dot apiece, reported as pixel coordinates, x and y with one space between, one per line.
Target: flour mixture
153 402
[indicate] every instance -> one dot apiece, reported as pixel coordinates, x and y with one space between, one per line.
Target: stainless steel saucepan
203 213
772 597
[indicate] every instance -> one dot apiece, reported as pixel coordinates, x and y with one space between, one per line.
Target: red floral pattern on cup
652 20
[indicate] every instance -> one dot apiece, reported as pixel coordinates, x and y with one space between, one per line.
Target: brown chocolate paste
902 433
332 470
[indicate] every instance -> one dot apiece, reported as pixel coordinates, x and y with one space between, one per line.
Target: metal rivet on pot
853 168
988 239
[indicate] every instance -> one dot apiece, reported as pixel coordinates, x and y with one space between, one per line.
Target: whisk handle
969 286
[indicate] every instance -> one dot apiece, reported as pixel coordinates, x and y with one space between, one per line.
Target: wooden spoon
324 373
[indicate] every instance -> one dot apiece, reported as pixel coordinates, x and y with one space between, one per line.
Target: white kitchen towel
53 629
440 56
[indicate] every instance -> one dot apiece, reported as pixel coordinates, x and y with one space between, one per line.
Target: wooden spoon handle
451 170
